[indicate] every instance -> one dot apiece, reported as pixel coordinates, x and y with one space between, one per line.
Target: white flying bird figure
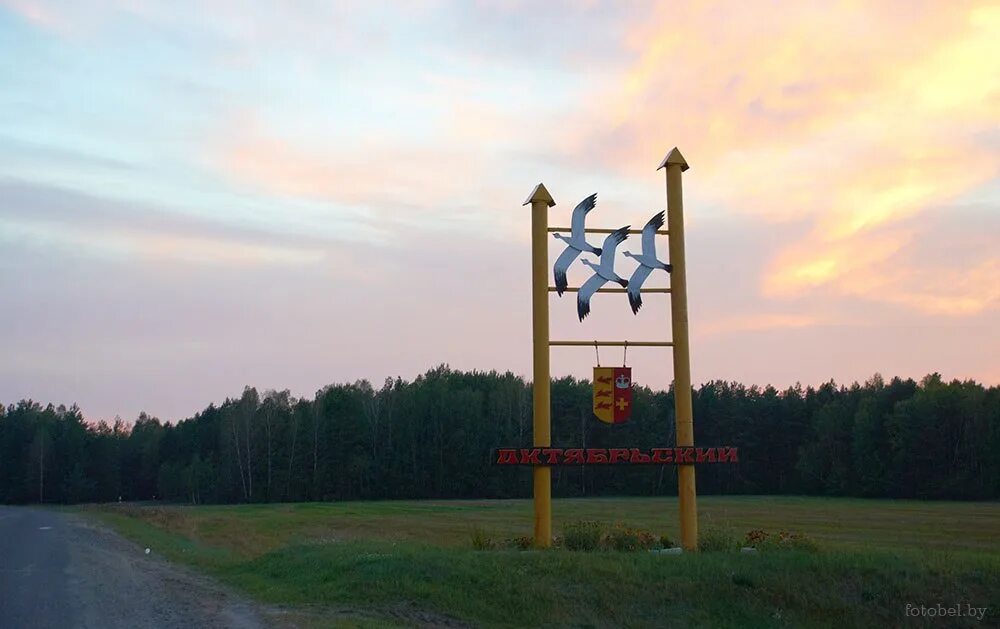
576 243
647 262
603 272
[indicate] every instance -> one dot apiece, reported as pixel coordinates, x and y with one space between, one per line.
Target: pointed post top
540 194
674 157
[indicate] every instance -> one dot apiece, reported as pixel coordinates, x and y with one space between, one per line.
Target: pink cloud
38 13
855 117
746 322
371 174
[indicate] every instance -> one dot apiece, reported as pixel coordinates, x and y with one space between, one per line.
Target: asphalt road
61 570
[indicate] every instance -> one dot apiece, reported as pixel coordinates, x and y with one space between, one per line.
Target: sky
199 196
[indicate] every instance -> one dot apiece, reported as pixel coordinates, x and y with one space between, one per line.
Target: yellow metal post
675 165
541 201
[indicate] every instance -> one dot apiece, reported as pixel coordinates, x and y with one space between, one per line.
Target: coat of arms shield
613 394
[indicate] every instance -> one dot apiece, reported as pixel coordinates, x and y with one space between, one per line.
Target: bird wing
585 293
614 239
635 284
580 216
649 235
562 265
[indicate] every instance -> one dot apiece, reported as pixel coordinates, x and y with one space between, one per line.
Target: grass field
349 564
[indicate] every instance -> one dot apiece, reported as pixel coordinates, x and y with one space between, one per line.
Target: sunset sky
197 196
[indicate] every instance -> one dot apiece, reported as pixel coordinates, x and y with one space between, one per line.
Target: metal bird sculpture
647 262
603 272
575 244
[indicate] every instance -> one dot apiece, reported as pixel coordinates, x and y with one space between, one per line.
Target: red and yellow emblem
613 394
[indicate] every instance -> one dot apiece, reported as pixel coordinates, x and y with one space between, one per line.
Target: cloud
37 13
758 322
170 338
400 186
45 218
942 262
855 116
365 174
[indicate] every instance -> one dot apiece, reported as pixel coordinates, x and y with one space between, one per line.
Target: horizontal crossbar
611 343
591 230
553 289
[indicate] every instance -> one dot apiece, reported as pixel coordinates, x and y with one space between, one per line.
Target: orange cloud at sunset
855 118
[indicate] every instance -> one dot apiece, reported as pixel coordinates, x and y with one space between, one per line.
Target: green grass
411 562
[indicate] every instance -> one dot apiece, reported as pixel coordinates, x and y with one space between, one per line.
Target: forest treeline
433 438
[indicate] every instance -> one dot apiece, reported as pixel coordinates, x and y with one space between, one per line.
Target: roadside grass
355 564
885 524
562 588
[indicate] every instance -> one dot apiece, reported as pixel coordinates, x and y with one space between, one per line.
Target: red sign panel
615 456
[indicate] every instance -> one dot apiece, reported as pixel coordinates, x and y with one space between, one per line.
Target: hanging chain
625 355
596 351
